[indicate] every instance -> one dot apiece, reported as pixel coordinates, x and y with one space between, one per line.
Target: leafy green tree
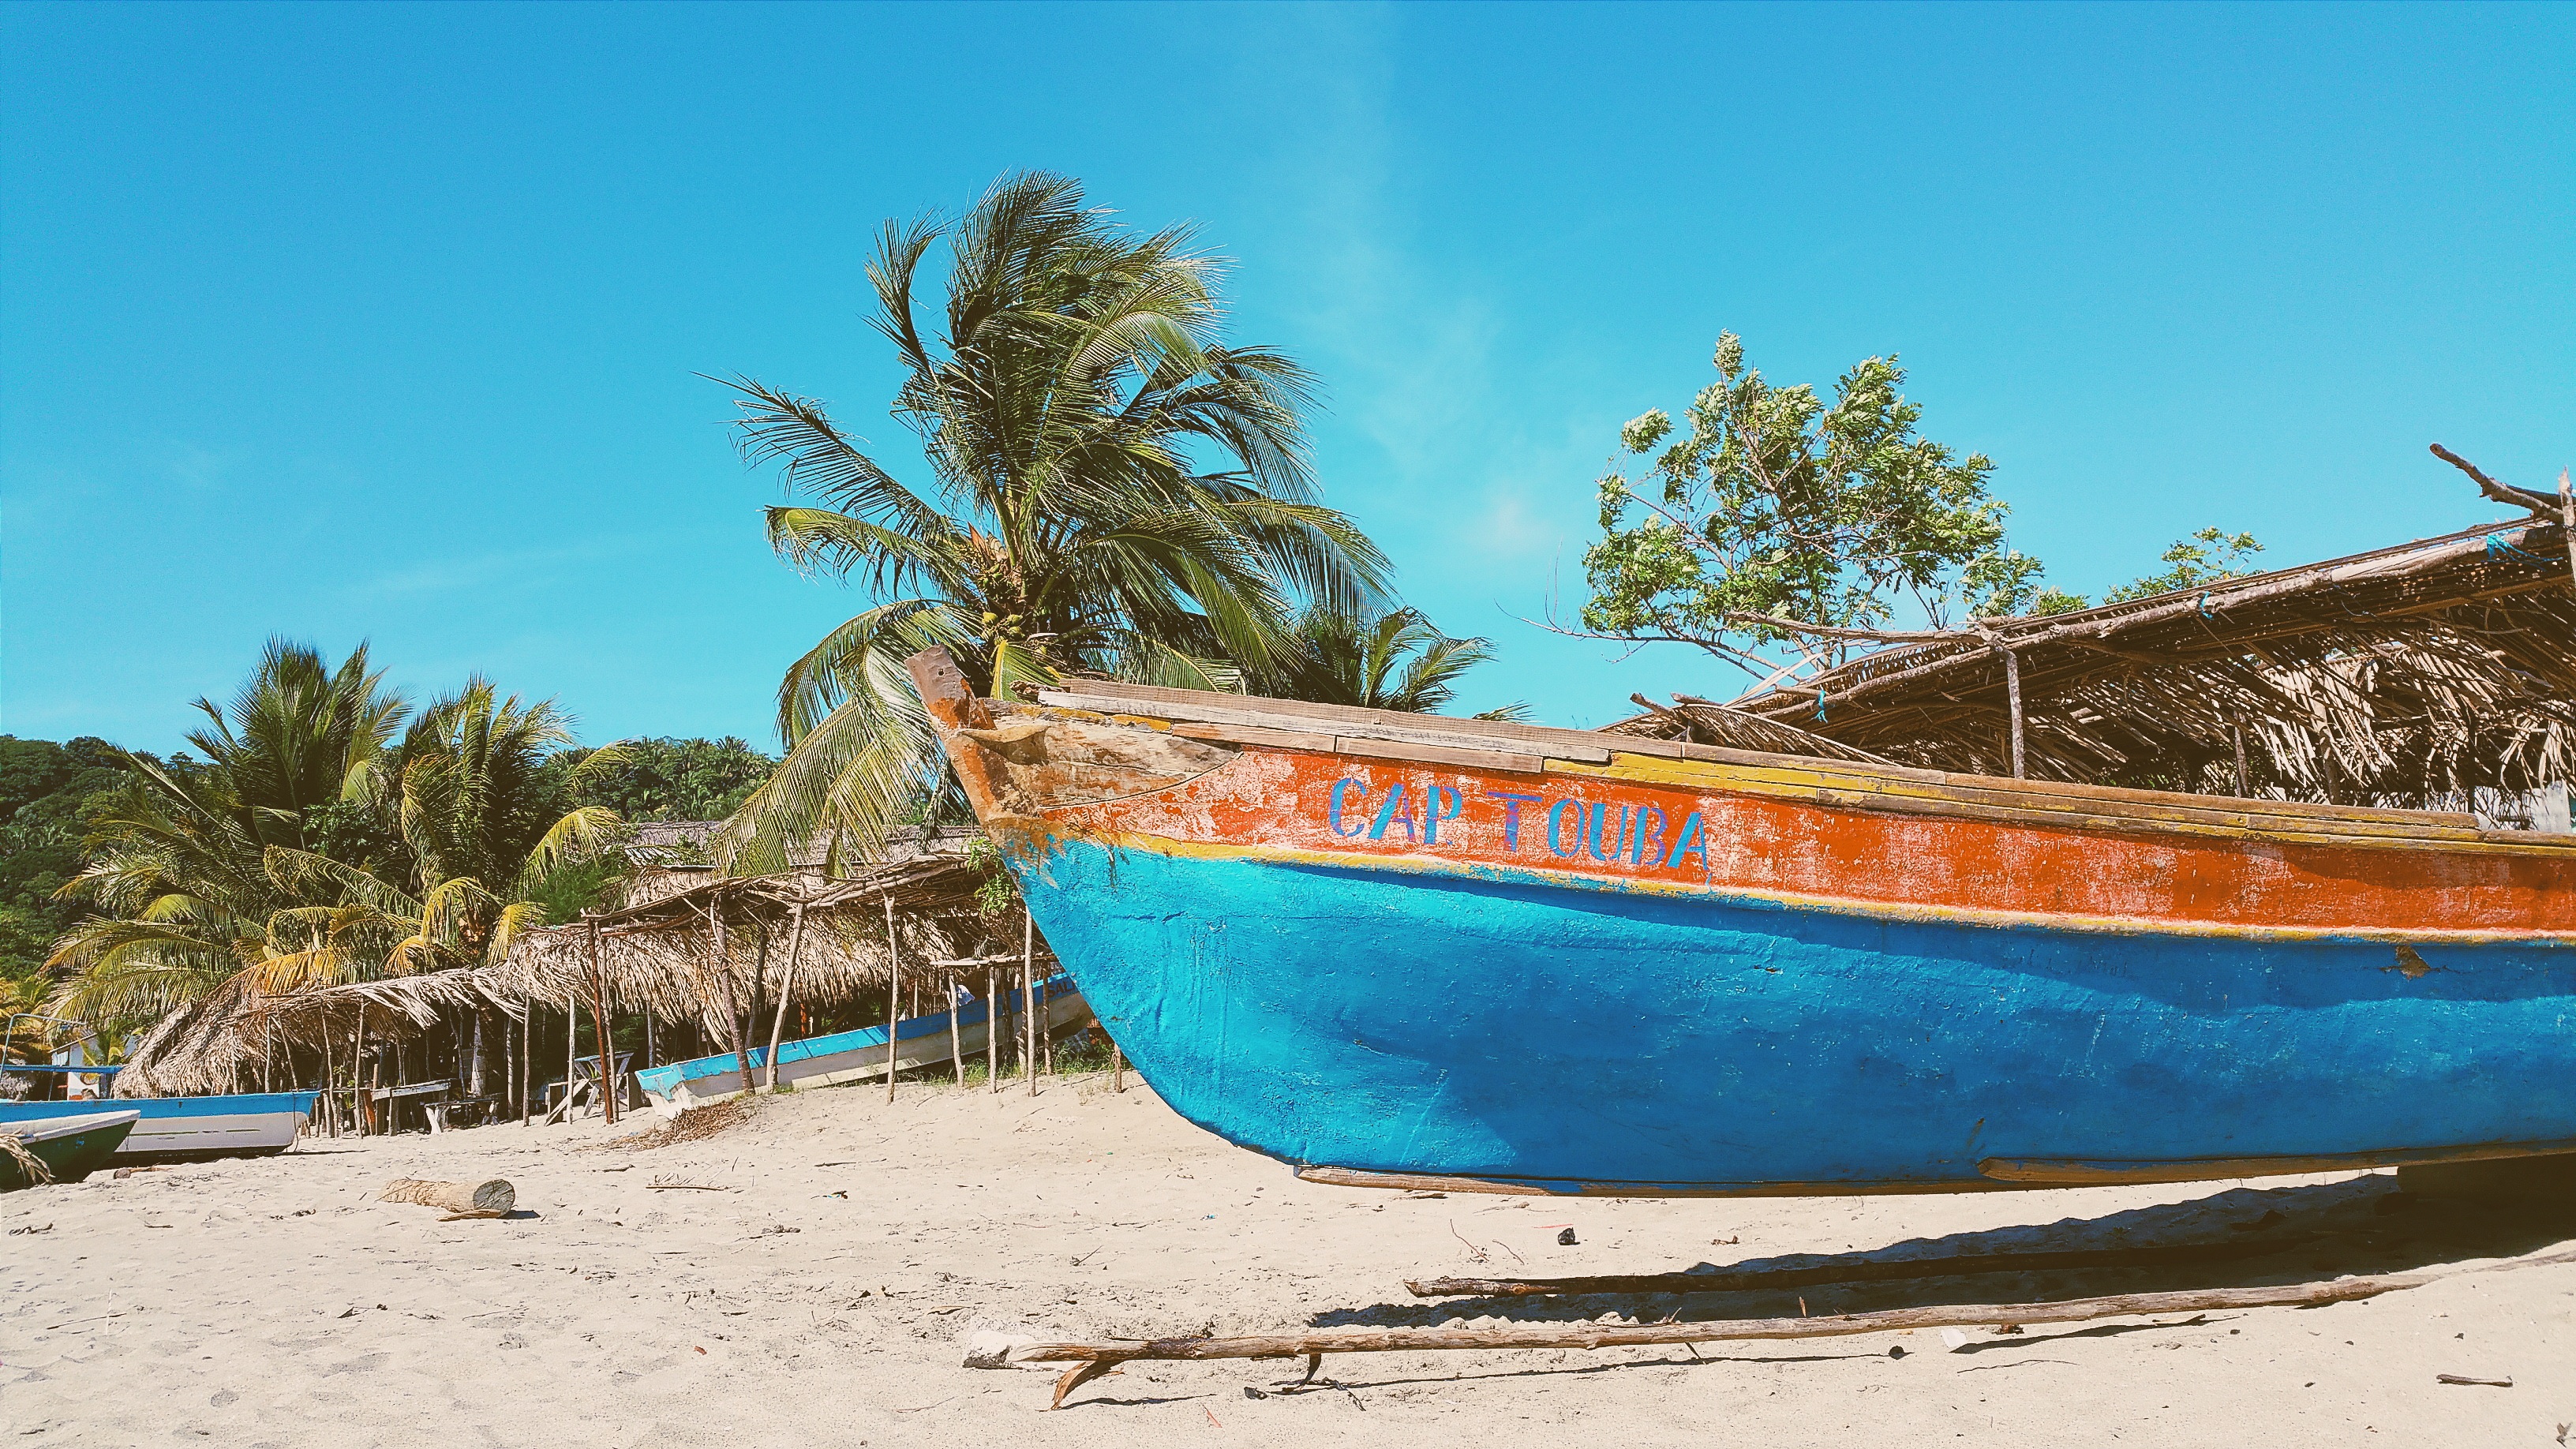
1776 505
45 790
668 779
1114 488
1396 659
2204 558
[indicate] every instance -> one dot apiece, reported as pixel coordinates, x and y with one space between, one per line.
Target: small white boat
857 1056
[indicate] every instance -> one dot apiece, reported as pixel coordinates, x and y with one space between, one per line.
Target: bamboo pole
600 1031
786 991
527 1056
1028 1000
1093 1359
992 1028
894 993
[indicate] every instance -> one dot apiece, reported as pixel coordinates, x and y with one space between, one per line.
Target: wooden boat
70 1147
182 1129
1400 950
857 1056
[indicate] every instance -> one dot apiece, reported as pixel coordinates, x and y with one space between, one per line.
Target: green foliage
1395 659
666 778
1116 489
2204 558
47 792
996 893
576 886
1777 503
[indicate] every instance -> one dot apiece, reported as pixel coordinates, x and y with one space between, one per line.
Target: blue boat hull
1581 1036
176 1129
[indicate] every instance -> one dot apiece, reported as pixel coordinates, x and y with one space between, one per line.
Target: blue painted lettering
1556 826
1691 841
1386 815
1511 815
1444 804
1333 815
1594 833
1650 843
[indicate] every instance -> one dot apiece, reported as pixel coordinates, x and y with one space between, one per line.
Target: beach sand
822 1299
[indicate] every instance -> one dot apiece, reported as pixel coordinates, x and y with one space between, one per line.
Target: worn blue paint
1472 1023
246 1104
662 1079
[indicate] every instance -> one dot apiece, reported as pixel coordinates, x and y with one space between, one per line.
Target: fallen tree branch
1090 1360
1882 1271
2506 493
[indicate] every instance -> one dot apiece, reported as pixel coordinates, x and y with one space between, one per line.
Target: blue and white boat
858 1056
185 1129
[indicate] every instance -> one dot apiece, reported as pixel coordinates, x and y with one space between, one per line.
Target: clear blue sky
383 322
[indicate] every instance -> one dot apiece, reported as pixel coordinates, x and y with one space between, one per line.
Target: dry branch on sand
692 1125
1091 1360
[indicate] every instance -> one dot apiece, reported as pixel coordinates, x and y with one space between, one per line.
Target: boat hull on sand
857 1056
71 1148
1538 960
186 1129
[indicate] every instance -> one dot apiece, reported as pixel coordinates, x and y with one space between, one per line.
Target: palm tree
474 805
1397 659
1116 490
181 864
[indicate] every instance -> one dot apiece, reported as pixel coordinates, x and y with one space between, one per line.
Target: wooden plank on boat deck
1427 730
1441 755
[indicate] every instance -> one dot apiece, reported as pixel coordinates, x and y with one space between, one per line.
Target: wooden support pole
733 1010
572 1049
1117 1064
358 1104
992 1028
787 990
2012 698
527 1056
652 1048
2244 789
330 1080
894 994
956 1042
2567 523
1093 1359
1029 1000
600 1032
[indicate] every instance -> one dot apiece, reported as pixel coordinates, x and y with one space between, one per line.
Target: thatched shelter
2437 674
706 960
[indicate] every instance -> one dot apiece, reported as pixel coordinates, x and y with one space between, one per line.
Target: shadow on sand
2359 1226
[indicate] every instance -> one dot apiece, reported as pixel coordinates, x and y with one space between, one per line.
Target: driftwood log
1091 1360
1881 1271
492 1199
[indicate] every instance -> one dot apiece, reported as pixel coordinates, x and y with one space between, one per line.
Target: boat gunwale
1825 783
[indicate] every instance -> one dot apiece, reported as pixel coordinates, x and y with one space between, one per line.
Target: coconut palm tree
1114 489
180 865
1397 659
474 806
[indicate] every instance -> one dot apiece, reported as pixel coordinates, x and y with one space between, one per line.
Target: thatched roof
2414 674
659 955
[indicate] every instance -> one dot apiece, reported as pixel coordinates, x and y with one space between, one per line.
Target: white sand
273 1302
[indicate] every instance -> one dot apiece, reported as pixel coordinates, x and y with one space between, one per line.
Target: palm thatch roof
702 954
2419 674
